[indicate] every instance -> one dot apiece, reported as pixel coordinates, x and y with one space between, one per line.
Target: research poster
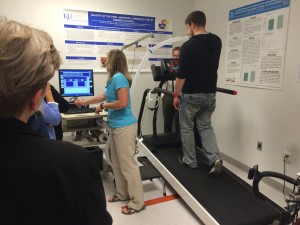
256 44
89 36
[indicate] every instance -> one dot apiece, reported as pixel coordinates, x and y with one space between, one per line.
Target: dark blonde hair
117 62
28 60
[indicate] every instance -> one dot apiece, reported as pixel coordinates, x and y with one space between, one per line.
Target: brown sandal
130 211
114 198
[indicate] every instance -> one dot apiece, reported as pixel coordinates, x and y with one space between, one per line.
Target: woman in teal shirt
123 128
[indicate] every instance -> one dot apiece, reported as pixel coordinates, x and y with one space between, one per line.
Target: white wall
272 117
48 15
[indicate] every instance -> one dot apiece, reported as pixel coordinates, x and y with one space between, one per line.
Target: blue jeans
198 108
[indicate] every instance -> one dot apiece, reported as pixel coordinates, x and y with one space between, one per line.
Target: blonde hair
28 60
117 62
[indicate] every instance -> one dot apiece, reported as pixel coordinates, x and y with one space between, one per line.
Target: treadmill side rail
199 210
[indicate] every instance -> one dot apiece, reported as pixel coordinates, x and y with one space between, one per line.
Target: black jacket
47 182
63 106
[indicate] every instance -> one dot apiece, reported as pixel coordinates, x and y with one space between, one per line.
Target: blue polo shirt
122 117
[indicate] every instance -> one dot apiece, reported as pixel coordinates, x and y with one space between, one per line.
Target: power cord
133 61
283 188
136 151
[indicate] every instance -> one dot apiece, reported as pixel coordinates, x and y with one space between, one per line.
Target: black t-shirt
199 62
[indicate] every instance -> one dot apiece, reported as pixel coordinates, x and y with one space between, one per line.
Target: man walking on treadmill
196 85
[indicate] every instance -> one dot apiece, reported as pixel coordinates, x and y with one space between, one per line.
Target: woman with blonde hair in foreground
42 181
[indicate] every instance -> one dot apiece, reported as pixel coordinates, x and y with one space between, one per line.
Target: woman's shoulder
119 75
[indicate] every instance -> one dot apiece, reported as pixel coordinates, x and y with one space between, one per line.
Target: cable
133 59
142 120
283 188
136 151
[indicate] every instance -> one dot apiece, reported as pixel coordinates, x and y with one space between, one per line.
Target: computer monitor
76 82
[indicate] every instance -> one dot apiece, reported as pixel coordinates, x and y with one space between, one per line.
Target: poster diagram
256 44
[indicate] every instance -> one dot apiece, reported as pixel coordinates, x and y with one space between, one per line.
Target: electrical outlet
259 145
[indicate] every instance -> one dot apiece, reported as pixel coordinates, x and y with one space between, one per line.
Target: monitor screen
170 66
76 82
167 70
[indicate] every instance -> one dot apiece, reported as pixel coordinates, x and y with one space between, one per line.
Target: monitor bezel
78 95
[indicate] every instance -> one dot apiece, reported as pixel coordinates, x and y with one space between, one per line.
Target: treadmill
225 199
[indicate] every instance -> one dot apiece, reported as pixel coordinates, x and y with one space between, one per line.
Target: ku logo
163 24
68 16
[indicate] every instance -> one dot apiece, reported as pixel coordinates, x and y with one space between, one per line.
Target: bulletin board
256 44
89 36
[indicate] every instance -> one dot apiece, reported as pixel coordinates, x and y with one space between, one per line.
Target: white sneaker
216 168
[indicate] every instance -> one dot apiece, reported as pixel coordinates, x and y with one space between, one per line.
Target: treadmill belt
227 198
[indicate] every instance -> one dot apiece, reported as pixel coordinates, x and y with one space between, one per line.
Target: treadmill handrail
170 93
227 91
139 132
159 90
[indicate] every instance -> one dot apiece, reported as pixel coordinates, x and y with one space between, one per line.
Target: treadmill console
167 70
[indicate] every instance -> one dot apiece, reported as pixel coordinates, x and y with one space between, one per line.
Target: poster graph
256 44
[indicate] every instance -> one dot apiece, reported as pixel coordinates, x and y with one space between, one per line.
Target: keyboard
80 110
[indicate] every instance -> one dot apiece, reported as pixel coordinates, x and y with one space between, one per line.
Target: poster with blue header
89 36
256 41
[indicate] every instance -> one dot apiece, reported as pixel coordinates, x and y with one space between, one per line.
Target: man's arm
178 88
